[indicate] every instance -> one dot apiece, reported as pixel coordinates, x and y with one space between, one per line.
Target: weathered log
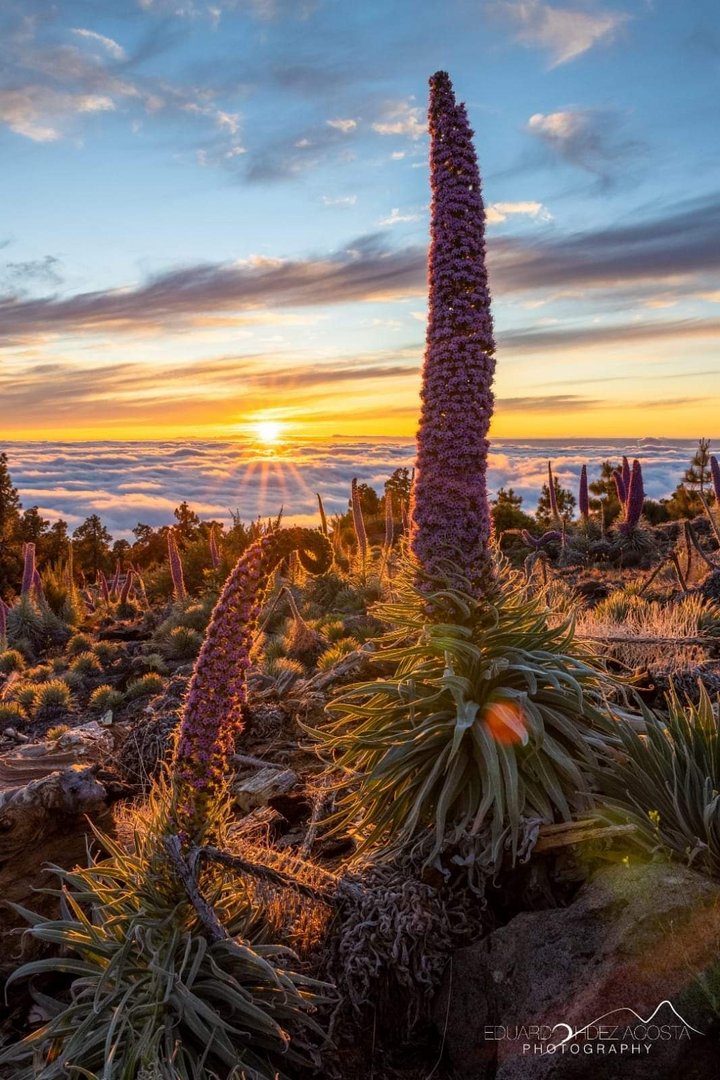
43 822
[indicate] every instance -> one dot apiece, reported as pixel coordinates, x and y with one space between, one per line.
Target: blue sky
216 213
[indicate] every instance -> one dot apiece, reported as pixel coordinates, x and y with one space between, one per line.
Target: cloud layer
130 482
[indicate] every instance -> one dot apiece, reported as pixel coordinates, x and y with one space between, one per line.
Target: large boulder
604 988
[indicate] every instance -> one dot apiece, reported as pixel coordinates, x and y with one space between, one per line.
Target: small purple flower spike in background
635 499
213 712
583 495
176 568
28 570
450 514
620 487
554 508
358 521
214 550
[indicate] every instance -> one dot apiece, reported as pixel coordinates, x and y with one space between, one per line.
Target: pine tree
697 475
91 545
10 505
565 501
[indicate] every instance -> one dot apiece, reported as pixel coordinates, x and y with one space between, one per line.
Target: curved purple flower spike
584 495
626 475
213 712
537 542
450 515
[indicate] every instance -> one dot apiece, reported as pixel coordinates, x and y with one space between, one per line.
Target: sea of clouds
128 482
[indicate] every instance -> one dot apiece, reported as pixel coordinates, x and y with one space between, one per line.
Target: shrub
145 686
53 695
667 782
79 643
182 643
489 721
74 679
86 663
56 732
11 713
285 670
26 696
335 653
105 697
11 660
107 651
154 995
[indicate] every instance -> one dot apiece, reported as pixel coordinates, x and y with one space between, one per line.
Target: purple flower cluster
29 569
450 515
358 521
213 712
583 495
634 497
176 569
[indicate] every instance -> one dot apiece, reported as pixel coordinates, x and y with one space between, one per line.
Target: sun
268 431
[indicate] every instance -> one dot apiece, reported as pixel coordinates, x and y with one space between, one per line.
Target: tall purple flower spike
554 508
28 580
3 623
635 499
176 568
620 487
450 515
214 550
715 473
323 516
213 712
626 475
583 495
358 520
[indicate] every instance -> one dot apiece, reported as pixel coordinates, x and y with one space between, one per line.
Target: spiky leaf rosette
152 995
450 513
218 689
487 722
666 782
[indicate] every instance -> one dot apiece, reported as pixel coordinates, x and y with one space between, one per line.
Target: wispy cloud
112 47
500 211
401 118
564 32
591 139
396 218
